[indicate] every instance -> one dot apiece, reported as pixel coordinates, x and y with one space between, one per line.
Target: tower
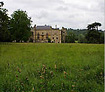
63 34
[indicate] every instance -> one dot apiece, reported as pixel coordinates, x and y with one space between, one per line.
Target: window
42 37
38 36
56 37
47 36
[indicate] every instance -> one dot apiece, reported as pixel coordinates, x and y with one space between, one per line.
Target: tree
102 37
1 4
49 40
93 35
20 26
94 26
70 38
81 38
4 24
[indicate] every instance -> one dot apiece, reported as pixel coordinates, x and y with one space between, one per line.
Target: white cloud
67 13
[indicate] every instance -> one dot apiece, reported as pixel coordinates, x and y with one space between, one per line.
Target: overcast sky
66 13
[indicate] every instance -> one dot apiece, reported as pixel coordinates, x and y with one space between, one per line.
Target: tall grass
36 67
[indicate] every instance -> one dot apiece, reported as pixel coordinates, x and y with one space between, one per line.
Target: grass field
31 67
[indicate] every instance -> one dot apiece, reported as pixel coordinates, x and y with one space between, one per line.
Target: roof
55 28
43 27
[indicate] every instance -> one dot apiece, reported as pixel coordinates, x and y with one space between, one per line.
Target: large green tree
93 35
20 26
4 24
70 38
82 39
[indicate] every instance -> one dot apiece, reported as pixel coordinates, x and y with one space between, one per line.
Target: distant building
45 34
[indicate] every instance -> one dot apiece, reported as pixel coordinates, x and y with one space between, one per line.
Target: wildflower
22 84
81 69
19 70
44 71
44 66
33 89
41 77
16 80
17 76
73 86
65 72
55 66
51 73
27 78
72 91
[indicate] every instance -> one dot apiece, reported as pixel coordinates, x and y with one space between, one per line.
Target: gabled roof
43 27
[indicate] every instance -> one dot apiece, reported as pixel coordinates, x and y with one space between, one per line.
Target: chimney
55 26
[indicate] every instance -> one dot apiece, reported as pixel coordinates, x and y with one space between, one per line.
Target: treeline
89 35
17 27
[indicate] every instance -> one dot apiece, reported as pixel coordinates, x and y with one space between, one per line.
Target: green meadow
46 67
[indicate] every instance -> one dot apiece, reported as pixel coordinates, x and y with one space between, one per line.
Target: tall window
42 37
38 36
56 37
47 36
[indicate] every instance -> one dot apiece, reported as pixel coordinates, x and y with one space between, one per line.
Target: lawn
42 67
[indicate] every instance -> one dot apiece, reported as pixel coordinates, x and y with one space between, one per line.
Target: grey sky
66 13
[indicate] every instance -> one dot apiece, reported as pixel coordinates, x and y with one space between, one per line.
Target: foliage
77 32
31 67
102 37
82 39
49 40
4 25
93 35
81 33
70 38
20 26
94 26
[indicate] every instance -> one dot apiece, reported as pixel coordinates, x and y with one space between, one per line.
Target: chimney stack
55 26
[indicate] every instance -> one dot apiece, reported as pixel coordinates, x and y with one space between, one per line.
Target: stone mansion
45 34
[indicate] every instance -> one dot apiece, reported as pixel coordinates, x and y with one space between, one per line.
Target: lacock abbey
45 34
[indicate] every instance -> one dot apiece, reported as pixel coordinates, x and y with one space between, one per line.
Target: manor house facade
45 34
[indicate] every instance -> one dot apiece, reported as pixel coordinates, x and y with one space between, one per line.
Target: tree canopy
70 38
4 24
93 35
20 26
94 26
